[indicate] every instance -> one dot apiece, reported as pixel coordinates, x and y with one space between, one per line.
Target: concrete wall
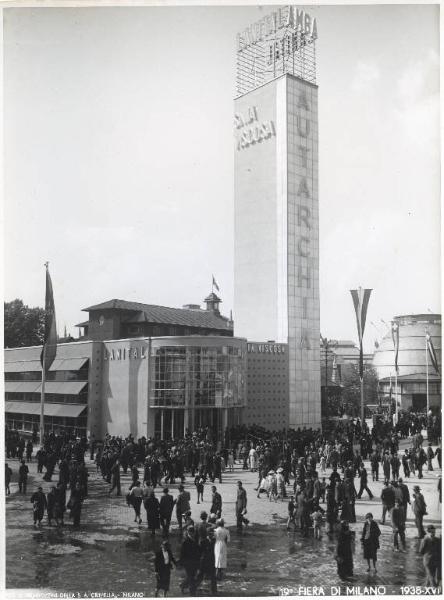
256 228
124 402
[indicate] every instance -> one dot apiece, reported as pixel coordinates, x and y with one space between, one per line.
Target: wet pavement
111 554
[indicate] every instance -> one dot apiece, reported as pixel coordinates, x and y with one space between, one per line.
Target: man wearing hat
430 549
419 508
39 504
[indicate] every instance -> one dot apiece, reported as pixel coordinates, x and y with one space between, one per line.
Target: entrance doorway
419 402
169 425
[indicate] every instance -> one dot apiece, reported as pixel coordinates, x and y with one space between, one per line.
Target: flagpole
42 397
396 396
362 400
427 373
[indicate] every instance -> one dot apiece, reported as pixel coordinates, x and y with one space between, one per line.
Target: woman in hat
163 563
344 552
370 540
222 537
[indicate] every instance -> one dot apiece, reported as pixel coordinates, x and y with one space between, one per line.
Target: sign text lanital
125 353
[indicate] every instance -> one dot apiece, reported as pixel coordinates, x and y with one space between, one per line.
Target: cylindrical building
415 362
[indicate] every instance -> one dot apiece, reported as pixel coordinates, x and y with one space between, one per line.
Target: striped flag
360 301
215 284
50 339
395 338
432 353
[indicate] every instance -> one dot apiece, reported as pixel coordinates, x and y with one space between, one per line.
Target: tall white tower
276 199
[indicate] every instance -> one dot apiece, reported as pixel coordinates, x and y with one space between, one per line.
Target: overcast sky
118 137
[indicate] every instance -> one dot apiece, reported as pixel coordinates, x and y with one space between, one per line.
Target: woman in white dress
222 537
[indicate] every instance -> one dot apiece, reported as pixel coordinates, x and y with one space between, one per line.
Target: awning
23 386
51 387
59 364
50 409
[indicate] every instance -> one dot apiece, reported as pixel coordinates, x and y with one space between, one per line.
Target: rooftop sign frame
282 42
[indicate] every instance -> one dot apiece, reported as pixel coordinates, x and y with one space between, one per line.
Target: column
161 424
186 416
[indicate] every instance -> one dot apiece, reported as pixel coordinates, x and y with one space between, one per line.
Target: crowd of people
303 455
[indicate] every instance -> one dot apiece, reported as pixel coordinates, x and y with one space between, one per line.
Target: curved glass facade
198 381
198 376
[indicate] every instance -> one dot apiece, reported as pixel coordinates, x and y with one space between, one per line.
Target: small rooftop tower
212 301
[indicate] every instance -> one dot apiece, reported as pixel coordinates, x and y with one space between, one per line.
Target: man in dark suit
190 559
216 504
398 525
241 506
166 509
405 496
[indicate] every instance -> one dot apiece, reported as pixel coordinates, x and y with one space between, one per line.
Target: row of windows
81 375
54 398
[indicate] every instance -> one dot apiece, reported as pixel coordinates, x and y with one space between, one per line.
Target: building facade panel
267 385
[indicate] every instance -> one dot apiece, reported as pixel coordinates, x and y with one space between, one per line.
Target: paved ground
112 554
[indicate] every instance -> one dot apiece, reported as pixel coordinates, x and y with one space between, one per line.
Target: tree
24 326
351 388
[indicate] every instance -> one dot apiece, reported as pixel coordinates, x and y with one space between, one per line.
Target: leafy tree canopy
24 326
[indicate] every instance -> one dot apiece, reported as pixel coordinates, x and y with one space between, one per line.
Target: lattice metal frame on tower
283 42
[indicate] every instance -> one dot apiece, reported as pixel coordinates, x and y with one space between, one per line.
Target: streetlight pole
327 344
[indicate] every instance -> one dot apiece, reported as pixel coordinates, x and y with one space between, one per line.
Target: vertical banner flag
50 339
360 301
215 284
395 338
432 353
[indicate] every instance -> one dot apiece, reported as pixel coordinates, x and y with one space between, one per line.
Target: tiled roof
163 314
